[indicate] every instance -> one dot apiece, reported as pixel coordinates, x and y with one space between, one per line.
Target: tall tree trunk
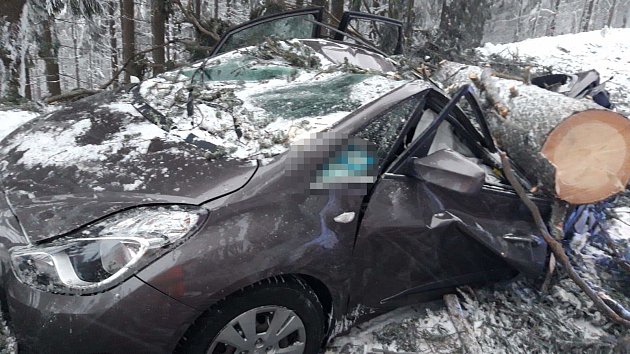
216 8
75 42
324 4
410 20
535 22
517 28
198 8
611 13
588 14
551 30
158 23
11 10
462 23
337 11
113 41
127 26
28 89
48 52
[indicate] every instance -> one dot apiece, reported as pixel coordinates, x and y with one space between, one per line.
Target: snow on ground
9 120
606 50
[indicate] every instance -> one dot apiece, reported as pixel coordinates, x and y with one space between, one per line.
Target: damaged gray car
260 201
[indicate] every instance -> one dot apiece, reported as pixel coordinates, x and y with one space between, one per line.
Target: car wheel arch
322 292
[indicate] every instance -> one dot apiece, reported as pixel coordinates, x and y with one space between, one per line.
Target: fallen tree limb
133 57
572 149
575 149
558 251
192 19
71 95
462 326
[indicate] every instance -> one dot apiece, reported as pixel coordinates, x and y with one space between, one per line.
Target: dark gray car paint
53 200
408 235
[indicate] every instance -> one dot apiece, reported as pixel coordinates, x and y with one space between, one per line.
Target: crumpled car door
300 24
418 239
386 34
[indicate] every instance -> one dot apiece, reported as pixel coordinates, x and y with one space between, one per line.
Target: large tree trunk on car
573 149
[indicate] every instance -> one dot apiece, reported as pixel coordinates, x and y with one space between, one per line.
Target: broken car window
384 130
256 101
280 29
383 36
247 68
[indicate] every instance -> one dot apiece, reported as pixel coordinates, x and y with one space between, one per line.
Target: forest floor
512 317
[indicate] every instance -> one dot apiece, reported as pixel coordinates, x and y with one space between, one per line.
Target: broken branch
462 326
557 250
133 57
192 19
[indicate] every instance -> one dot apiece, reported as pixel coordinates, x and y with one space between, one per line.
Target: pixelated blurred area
332 161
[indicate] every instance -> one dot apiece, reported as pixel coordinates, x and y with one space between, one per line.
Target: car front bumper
132 317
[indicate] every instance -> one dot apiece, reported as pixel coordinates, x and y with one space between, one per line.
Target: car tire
268 302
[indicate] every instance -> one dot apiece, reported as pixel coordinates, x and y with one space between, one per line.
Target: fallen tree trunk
573 149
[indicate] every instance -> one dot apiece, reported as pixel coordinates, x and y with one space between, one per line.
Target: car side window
385 130
279 29
447 137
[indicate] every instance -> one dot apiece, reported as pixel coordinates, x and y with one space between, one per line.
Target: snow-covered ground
512 317
606 50
9 120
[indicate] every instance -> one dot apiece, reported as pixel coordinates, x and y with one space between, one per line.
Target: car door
420 238
287 25
386 34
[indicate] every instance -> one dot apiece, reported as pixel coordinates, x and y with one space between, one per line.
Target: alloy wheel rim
264 329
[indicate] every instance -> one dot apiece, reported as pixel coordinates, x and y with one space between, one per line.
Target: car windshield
255 101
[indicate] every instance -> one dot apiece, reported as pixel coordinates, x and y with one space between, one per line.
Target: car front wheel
279 315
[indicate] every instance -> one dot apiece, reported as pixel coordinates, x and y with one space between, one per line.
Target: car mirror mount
450 170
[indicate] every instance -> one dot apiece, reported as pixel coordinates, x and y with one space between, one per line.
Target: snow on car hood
186 136
257 100
98 156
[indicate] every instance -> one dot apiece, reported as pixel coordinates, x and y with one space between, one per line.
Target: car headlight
103 254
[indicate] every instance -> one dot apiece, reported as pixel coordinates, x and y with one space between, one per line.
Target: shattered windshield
257 100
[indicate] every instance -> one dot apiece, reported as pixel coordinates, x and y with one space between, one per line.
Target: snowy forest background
52 46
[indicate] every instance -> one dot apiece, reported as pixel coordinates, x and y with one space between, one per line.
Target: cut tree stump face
591 153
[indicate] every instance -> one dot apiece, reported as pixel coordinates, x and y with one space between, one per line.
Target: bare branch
134 56
196 22
558 251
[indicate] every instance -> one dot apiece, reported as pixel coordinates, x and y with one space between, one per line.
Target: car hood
98 156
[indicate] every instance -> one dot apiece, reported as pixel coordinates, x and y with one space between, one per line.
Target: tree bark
551 30
463 328
611 13
127 25
588 14
573 149
337 10
158 23
11 10
462 23
48 52
355 5
410 20
28 91
77 69
113 41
